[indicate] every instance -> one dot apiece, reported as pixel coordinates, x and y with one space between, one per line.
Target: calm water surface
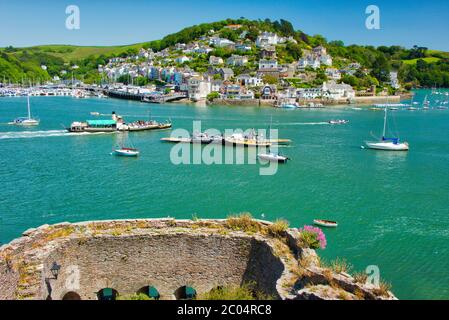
392 207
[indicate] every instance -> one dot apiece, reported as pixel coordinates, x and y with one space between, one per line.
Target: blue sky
113 22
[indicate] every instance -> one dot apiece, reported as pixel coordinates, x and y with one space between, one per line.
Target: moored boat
26 121
126 152
273 157
387 144
325 223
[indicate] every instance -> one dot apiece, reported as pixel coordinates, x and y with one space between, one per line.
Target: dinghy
325 223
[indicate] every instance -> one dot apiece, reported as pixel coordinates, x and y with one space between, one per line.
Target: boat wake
42 134
304 123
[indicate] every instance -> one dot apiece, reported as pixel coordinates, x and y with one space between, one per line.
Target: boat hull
272 158
326 224
126 153
388 146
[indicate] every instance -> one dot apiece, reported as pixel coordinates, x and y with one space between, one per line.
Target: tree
269 79
381 69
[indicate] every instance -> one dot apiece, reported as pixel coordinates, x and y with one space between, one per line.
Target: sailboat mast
385 123
29 110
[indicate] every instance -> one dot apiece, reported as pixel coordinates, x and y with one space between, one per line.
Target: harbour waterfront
391 207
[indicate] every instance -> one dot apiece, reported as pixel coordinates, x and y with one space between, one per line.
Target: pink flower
318 233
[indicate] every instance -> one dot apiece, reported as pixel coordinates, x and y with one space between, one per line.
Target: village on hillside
252 71
216 69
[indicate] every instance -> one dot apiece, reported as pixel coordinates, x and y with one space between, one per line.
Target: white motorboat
26 121
273 157
126 152
387 144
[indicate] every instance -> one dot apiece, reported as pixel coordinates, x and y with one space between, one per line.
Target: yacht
26 121
388 144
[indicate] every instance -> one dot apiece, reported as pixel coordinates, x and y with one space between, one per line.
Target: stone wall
167 254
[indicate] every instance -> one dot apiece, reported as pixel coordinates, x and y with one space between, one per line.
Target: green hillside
416 66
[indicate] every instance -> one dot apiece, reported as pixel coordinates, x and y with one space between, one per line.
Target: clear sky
114 22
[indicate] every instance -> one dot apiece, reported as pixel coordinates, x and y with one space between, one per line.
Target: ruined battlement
129 256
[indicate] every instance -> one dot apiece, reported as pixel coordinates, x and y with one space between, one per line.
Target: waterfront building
198 88
333 90
268 92
247 80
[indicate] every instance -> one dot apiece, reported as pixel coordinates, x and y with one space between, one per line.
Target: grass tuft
243 222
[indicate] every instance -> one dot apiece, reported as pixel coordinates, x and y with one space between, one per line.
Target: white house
247 80
333 90
220 42
198 88
310 93
267 38
394 81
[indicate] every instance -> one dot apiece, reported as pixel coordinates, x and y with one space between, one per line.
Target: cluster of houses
171 67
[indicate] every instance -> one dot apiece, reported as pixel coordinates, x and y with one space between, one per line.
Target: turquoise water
392 207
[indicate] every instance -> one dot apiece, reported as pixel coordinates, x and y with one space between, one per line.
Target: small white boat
273 157
123 151
338 121
325 223
95 113
126 152
26 121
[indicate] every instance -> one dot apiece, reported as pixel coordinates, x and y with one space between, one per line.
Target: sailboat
272 156
26 121
388 144
426 104
124 151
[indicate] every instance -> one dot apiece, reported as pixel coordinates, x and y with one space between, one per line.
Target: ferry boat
93 126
